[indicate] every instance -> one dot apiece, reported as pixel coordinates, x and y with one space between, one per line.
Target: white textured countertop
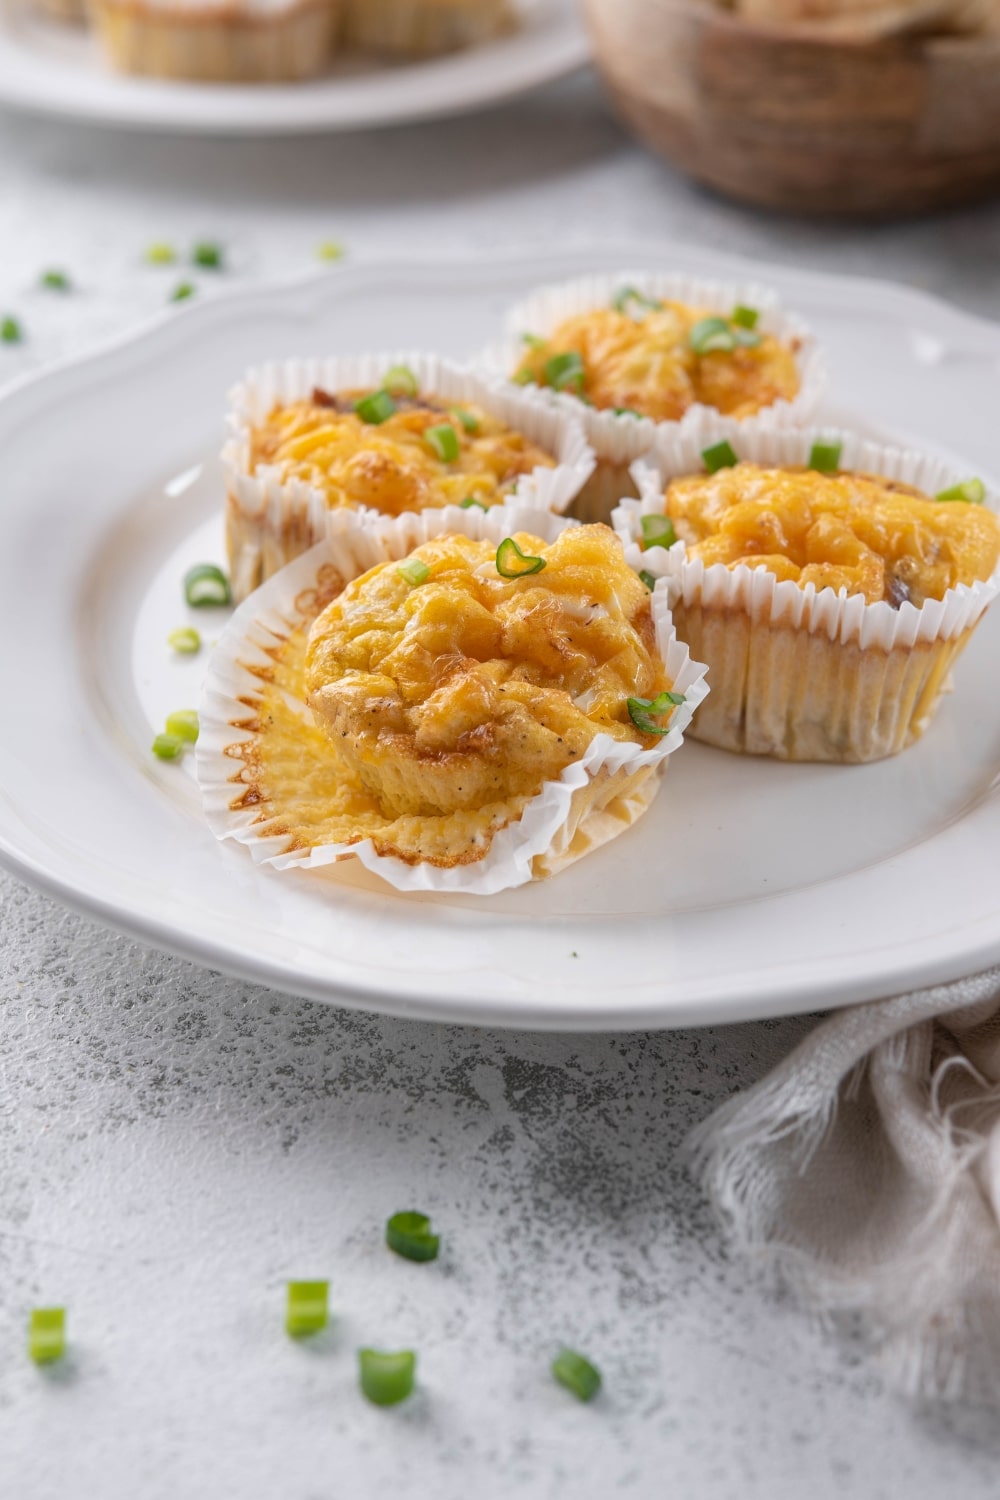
175 1145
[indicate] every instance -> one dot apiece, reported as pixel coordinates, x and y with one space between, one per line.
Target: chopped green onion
400 381
376 408
47 1334
523 377
744 317
161 255
564 370
710 335
825 457
386 1379
649 579
470 501
444 441
658 531
186 641
55 281
626 411
306 1311
720 456
10 331
329 250
168 747
576 1374
629 294
533 341
207 255
415 572
183 291
642 711
183 725
973 491
466 418
206 584
409 1234
513 563
747 337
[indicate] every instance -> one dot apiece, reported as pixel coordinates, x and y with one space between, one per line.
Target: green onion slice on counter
47 1334
630 296
719 456
306 1309
386 1379
409 1235
744 317
376 408
710 335
11 331
330 250
186 641
183 291
513 563
576 1374
443 439
642 711
205 584
658 531
470 501
54 281
465 418
400 381
649 579
168 747
565 370
207 255
825 457
973 491
161 254
183 725
415 572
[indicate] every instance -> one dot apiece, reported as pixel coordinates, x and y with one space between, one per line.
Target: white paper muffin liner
270 521
763 637
517 852
619 440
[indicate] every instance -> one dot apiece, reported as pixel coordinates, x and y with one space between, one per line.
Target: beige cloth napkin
865 1171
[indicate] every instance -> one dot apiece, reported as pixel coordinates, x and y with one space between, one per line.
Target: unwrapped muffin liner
619 440
270 521
606 790
796 672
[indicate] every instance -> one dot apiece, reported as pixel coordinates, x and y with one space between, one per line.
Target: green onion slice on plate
972 491
183 725
186 641
414 571
719 456
576 1374
168 747
409 1235
513 563
642 711
306 1309
658 531
47 1334
386 1379
205 584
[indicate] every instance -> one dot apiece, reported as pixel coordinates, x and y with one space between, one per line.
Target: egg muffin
385 438
828 583
640 352
477 713
423 28
218 41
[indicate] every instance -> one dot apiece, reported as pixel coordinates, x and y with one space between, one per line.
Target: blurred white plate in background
57 70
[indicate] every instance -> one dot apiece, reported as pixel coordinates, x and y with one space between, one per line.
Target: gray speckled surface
174 1145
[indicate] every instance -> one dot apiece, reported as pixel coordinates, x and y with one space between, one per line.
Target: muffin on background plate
423 28
228 41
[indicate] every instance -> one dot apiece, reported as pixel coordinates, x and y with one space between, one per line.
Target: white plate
57 70
751 889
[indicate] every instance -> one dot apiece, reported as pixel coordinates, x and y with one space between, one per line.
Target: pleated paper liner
256 682
797 673
270 520
619 440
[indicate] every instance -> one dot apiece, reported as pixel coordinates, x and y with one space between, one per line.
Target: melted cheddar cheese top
463 693
858 532
646 364
392 466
